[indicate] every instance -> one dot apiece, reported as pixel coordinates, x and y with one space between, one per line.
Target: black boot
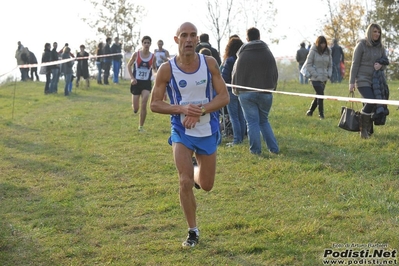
312 108
321 108
365 125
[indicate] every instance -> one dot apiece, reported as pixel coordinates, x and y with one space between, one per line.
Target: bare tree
219 14
260 14
229 16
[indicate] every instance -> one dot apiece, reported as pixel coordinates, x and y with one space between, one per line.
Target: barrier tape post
13 98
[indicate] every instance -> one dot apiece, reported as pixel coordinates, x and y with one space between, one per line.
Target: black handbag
349 117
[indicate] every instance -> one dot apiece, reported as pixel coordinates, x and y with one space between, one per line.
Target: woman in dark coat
46 57
82 69
234 107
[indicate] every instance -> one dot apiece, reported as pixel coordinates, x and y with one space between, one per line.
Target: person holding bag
319 66
366 56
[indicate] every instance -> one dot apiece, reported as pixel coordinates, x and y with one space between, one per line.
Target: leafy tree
117 18
349 21
387 16
346 24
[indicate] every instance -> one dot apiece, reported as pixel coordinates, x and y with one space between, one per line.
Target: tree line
345 21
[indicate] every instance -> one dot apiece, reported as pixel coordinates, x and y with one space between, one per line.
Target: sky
58 21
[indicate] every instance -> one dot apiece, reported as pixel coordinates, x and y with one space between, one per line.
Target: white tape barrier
58 62
327 97
9 72
38 65
66 60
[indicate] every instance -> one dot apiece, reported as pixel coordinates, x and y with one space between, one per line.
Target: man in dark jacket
256 67
107 61
337 57
55 69
116 48
301 56
204 43
33 60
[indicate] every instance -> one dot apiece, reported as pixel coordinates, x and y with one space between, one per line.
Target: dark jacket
32 58
301 55
337 54
255 67
381 92
228 69
100 52
46 57
107 51
82 69
215 53
66 67
54 57
116 49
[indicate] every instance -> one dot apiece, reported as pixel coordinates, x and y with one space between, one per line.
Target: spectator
205 51
55 69
116 48
301 55
107 61
256 67
204 42
32 61
319 65
337 57
366 59
46 57
60 52
22 56
82 69
66 69
99 60
234 107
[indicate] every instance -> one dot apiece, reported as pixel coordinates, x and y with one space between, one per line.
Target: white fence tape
327 97
65 60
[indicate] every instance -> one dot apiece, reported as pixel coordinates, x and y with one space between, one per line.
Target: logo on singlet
200 82
182 83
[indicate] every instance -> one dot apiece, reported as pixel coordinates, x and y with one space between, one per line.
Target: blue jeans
256 107
24 74
70 85
302 79
336 73
48 81
55 72
99 69
236 118
116 66
68 78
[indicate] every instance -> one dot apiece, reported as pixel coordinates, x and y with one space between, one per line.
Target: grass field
79 185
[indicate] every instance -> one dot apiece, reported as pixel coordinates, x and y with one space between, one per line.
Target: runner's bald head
185 25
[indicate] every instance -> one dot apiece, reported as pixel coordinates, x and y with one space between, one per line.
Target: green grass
79 185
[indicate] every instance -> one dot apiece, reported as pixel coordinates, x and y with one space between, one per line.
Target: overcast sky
44 21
